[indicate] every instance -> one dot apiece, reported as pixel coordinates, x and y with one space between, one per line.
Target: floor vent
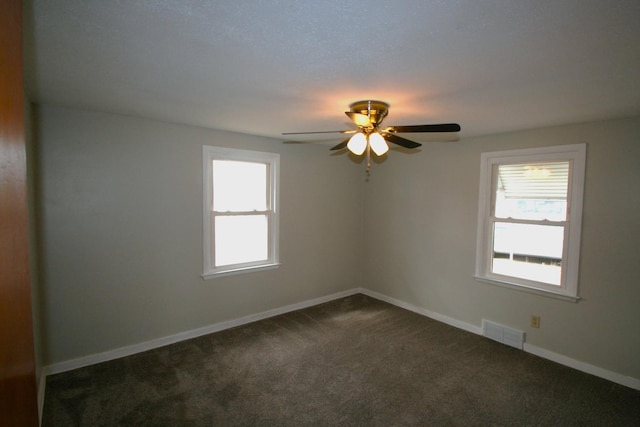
503 334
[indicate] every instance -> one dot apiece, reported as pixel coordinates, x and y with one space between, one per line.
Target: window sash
251 261
269 216
258 202
535 271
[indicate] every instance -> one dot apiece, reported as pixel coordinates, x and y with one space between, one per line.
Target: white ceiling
272 66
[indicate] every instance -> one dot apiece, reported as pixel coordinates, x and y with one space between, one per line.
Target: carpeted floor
355 361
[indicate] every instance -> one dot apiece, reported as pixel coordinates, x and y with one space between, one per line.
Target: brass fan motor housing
375 110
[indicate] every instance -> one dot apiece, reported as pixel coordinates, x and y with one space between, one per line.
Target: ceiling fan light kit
378 144
369 136
357 143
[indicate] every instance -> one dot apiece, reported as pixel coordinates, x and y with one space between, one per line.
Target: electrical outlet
535 321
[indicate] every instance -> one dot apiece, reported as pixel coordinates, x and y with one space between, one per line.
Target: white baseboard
584 367
529 348
423 311
161 342
42 383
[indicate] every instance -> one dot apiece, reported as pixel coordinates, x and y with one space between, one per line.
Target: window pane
535 191
239 239
532 252
239 186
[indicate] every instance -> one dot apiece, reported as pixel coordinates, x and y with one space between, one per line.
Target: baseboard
423 311
161 342
42 383
529 348
584 367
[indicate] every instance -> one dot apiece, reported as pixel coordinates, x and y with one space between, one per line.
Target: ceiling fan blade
444 127
400 141
359 119
340 146
322 131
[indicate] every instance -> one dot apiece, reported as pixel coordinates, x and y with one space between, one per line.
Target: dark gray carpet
355 361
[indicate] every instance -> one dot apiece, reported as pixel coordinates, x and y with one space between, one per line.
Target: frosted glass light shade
378 144
357 144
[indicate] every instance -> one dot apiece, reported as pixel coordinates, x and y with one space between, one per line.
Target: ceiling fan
370 135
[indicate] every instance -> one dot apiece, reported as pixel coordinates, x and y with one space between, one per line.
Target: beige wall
121 211
120 205
421 235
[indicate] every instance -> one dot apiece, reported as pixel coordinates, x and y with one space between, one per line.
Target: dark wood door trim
18 391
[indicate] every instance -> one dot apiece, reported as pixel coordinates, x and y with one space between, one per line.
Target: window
529 218
240 210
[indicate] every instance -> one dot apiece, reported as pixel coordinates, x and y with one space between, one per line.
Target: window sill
530 290
240 270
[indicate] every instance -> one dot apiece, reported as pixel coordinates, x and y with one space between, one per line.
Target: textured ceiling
267 67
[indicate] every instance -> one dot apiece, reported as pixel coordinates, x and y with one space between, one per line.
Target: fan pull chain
368 161
368 145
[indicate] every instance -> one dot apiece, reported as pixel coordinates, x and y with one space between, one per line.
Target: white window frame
576 155
272 160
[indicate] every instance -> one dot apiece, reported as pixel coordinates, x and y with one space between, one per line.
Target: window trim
576 155
211 153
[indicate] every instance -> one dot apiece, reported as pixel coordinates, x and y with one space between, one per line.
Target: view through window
241 229
530 213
